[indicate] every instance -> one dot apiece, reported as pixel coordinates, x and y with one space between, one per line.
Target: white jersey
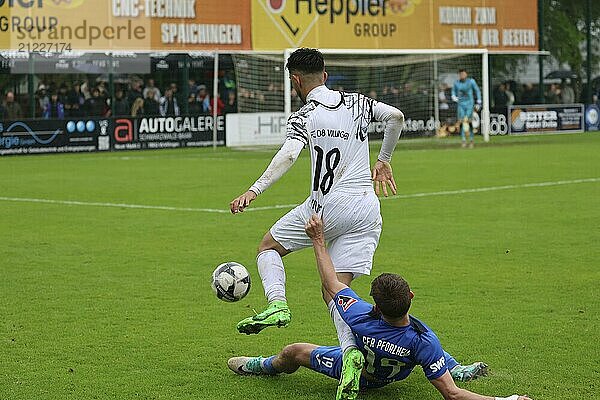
334 126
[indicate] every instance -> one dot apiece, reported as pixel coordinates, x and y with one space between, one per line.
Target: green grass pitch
114 303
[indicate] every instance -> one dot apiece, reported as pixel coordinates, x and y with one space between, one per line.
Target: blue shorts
328 360
465 109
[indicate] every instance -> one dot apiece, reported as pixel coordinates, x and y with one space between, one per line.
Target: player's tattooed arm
329 280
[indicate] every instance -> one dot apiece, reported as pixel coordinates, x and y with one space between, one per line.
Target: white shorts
352 230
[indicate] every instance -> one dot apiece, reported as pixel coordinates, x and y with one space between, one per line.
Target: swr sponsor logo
438 365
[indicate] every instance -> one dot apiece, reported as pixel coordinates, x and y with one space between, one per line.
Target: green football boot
277 314
353 363
466 373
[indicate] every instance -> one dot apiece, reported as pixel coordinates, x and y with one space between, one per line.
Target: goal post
417 81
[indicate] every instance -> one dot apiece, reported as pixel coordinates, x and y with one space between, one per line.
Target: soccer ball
231 281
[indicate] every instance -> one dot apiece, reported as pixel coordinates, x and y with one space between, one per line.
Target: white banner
255 129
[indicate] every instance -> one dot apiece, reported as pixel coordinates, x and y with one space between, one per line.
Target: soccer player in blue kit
392 341
462 94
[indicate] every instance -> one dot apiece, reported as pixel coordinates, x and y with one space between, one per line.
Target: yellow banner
126 25
395 24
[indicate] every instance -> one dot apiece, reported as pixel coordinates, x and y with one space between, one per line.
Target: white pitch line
116 205
491 188
279 206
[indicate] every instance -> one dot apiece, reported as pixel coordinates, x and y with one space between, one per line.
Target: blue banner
592 118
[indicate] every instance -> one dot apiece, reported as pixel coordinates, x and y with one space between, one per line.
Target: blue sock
267 366
450 361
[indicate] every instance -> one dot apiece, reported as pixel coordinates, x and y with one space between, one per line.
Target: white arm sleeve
394 120
281 162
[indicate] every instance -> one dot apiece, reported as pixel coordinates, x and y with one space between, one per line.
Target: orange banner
190 25
395 24
128 25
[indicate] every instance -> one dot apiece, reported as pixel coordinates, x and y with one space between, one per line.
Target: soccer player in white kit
333 125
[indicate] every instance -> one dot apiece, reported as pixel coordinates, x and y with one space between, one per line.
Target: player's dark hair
462 70
391 294
306 61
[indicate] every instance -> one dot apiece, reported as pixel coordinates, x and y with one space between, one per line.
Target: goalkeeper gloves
454 98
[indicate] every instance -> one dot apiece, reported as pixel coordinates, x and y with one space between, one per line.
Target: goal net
418 82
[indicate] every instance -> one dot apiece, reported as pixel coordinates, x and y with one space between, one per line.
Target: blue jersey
391 352
464 91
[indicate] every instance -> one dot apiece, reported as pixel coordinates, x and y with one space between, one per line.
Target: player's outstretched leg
288 361
272 273
250 366
466 373
353 363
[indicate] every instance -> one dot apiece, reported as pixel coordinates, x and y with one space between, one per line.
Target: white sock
272 273
345 335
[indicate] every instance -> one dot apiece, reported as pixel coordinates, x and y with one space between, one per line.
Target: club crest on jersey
345 302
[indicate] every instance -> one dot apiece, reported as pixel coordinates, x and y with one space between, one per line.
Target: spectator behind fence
529 95
194 107
229 82
192 87
567 94
220 105
13 109
104 94
54 109
500 99
151 106
231 104
121 107
204 98
150 86
75 101
135 91
85 90
95 106
42 99
553 94
176 94
137 109
168 104
62 94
